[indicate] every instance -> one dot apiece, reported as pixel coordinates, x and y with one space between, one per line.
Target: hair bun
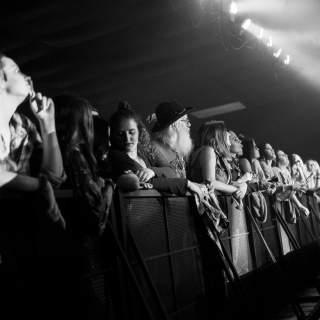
124 106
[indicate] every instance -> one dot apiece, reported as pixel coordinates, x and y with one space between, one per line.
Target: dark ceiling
148 51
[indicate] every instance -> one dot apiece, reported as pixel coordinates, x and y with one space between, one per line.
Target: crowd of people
70 151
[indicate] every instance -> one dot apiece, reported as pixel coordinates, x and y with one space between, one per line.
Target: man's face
184 142
13 80
184 123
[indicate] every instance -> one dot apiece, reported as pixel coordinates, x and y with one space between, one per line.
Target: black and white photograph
159 160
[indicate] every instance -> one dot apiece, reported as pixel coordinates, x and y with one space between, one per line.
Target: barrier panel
313 206
236 238
162 230
166 255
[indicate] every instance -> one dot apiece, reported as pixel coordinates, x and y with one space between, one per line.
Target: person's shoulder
204 154
162 153
256 163
158 146
263 163
244 161
207 150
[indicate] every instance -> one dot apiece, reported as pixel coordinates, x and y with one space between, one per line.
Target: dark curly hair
125 111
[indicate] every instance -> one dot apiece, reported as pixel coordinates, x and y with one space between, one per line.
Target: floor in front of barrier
307 307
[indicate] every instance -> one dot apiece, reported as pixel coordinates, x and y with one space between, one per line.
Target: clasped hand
145 174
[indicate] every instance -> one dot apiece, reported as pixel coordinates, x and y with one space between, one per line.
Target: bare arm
245 166
22 183
208 165
51 159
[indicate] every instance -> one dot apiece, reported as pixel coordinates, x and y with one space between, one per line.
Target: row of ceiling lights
248 25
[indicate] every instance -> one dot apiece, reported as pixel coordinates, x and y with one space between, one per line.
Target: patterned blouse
24 152
25 142
91 190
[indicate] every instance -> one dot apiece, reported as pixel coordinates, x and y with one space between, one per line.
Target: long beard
184 144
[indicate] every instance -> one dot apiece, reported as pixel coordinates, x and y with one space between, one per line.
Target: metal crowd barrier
158 234
242 241
165 266
162 230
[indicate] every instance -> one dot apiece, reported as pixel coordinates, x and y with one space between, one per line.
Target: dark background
148 51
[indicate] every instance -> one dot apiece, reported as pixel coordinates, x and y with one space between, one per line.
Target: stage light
233 8
277 53
269 42
260 33
287 59
246 24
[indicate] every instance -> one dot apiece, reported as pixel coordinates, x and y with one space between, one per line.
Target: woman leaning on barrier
209 161
131 156
267 159
286 190
131 161
236 151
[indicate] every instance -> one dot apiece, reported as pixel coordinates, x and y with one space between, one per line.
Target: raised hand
43 109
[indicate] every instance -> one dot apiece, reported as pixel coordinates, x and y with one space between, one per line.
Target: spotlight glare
233 8
260 33
287 59
246 24
269 43
277 53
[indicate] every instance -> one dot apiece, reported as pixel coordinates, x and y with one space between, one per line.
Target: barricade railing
248 245
267 244
158 234
159 237
246 248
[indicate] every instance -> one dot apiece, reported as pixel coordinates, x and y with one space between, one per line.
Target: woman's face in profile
297 160
235 144
255 151
127 135
311 166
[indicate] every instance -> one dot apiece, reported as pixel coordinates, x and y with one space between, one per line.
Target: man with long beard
171 139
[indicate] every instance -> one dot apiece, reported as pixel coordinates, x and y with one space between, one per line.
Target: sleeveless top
222 172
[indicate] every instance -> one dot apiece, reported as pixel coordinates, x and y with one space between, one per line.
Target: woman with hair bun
131 151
